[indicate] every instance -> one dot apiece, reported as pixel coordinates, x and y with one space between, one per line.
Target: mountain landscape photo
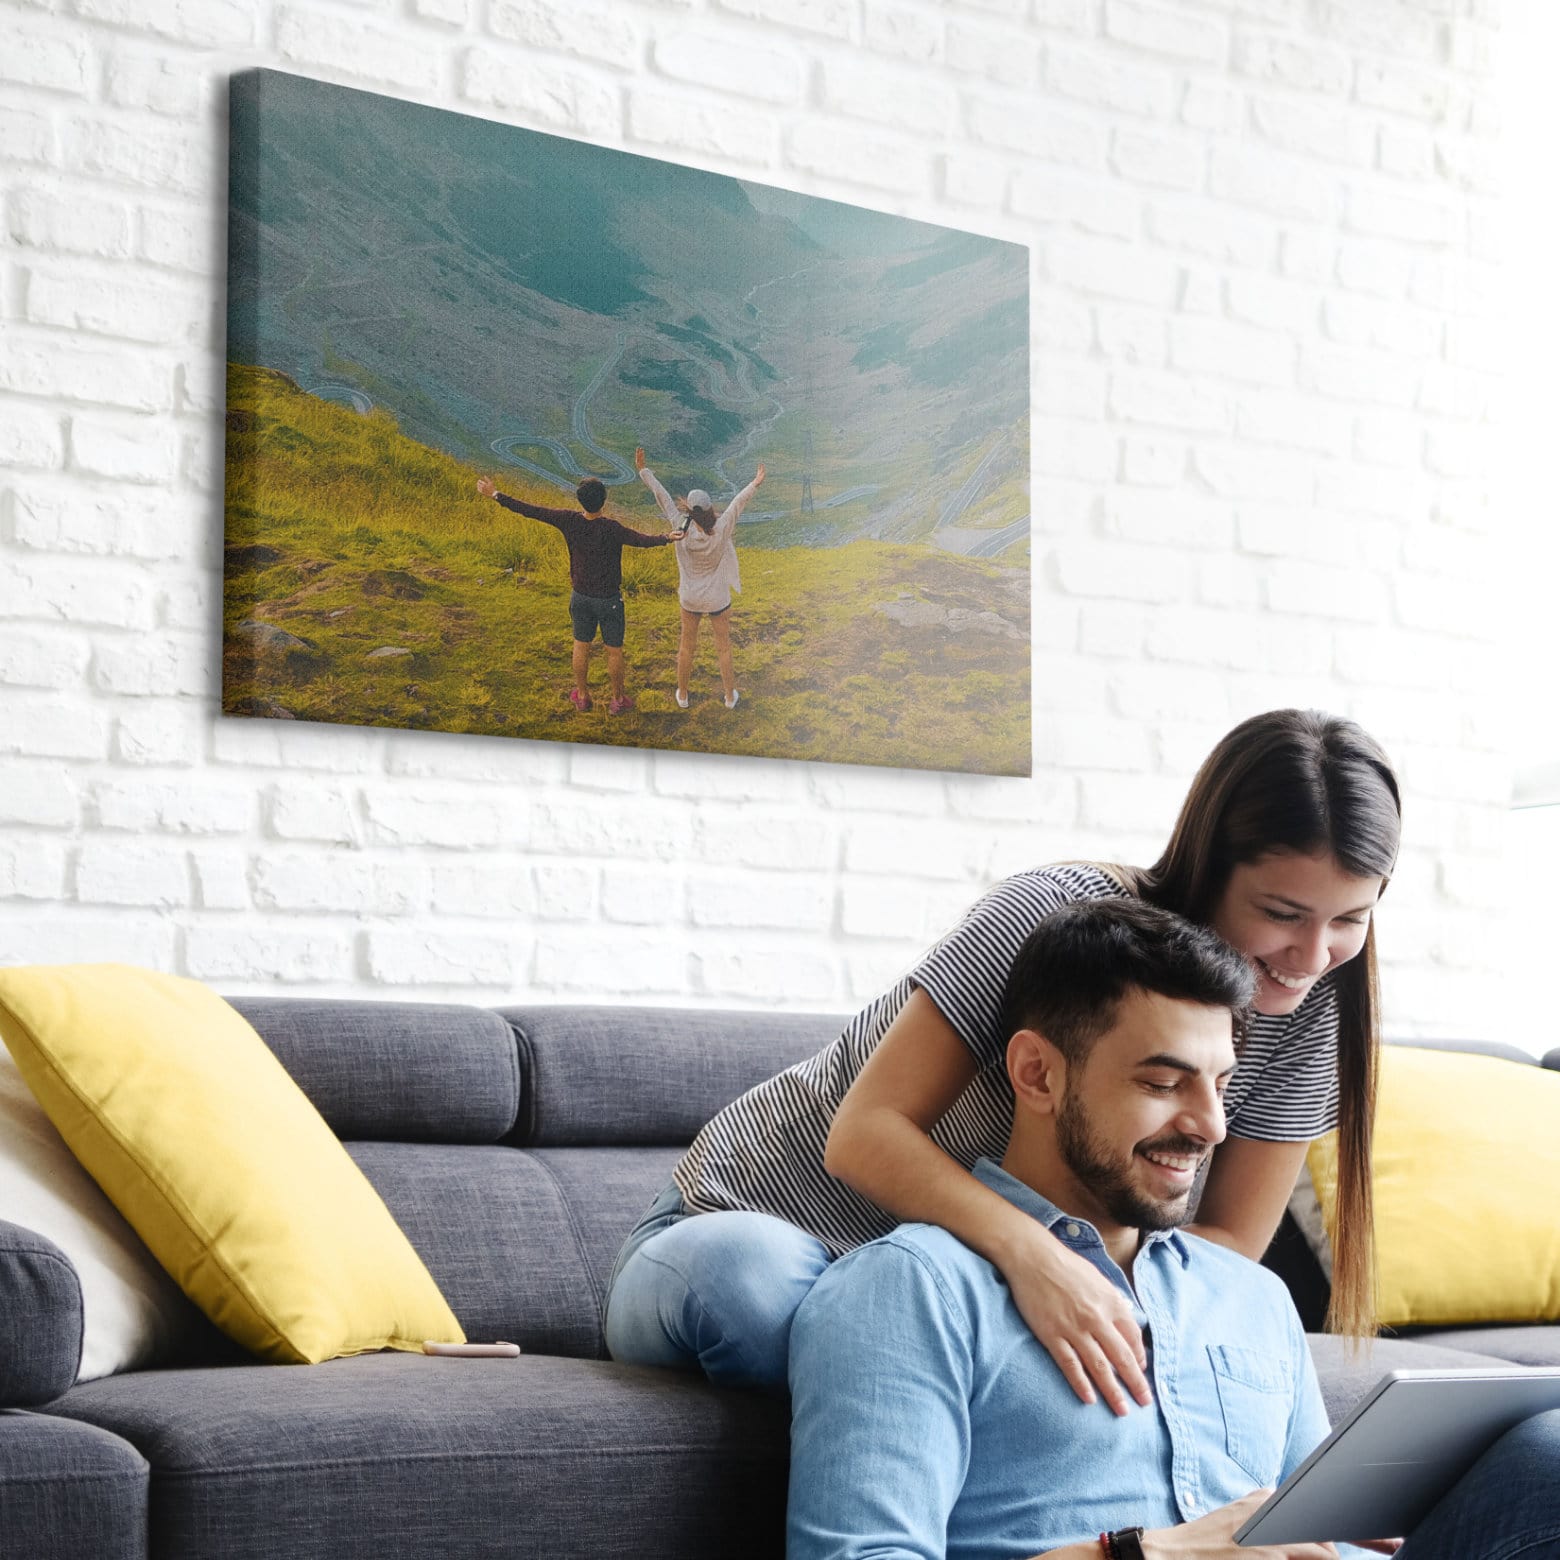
419 298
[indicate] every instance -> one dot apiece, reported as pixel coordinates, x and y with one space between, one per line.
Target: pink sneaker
581 701
618 706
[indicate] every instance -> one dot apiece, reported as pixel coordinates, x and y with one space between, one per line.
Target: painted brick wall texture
1262 272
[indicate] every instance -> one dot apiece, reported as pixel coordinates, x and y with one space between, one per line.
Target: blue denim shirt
928 1421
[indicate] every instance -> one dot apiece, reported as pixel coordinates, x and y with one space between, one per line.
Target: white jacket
706 562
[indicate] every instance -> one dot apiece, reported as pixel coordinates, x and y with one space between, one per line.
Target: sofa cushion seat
1346 1377
73 1489
1520 1345
394 1454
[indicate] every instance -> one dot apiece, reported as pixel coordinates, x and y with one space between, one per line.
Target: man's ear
1037 1071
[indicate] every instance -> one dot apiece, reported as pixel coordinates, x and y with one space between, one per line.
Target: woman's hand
758 481
1083 1320
639 458
486 486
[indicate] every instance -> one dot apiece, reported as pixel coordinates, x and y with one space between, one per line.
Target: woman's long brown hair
1303 781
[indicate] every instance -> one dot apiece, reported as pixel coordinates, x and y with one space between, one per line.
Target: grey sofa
516 1148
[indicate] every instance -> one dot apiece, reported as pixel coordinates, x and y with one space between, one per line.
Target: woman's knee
749 1260
721 1288
748 1274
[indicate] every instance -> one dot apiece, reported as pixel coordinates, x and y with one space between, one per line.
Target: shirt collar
1027 1199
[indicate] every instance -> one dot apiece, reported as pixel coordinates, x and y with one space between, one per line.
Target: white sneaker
682 699
731 703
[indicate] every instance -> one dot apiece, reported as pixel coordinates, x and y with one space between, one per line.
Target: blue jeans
1506 1507
711 1291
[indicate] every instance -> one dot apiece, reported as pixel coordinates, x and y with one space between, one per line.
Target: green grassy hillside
351 538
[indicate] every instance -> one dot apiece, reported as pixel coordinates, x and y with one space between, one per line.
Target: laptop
1401 1449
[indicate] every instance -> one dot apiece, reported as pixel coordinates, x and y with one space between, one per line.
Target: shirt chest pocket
1255 1398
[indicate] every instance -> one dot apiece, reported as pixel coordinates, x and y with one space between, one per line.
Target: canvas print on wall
531 438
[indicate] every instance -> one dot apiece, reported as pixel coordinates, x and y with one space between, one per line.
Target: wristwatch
1127 1544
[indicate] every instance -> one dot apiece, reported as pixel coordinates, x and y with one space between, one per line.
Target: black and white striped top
764 1151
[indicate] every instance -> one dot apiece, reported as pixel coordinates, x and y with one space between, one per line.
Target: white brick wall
1262 369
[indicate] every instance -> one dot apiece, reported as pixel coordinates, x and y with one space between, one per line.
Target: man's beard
1108 1178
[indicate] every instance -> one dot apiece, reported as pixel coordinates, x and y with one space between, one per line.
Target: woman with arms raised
1283 845
707 572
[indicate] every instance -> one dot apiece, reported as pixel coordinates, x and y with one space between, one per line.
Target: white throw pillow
133 1313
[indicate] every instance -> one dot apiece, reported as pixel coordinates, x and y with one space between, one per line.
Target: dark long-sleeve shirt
595 545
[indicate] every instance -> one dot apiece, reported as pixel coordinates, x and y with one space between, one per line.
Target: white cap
699 499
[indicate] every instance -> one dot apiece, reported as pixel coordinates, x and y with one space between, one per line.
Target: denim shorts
588 613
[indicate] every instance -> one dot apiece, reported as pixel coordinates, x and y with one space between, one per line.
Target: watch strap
1127 1543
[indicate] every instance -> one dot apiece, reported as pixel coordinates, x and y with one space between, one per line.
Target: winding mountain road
613 470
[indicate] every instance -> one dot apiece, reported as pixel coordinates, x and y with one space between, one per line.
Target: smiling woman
1295 917
1283 845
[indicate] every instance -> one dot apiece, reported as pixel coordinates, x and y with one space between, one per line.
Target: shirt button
1075 1229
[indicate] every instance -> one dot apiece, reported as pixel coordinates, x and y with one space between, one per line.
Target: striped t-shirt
764 1151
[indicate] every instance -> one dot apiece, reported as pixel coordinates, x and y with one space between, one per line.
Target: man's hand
1083 1320
639 458
1213 1538
486 487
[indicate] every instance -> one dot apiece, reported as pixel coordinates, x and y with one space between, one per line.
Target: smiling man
927 1421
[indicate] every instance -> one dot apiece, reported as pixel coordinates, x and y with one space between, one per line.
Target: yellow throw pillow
1467 1161
201 1139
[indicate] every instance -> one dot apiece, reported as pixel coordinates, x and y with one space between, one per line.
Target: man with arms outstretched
927 1421
596 546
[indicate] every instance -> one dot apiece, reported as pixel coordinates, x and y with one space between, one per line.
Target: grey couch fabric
516 1150
520 1241
69 1491
40 1318
635 1076
383 1455
411 1072
1347 1373
1523 1344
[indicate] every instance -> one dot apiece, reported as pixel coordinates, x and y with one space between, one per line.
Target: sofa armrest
1552 1059
40 1318
70 1490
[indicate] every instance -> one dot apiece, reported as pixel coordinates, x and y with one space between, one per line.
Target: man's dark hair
1080 961
592 494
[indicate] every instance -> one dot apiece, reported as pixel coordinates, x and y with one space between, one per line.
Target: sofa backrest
406 1072
643 1076
518 1148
